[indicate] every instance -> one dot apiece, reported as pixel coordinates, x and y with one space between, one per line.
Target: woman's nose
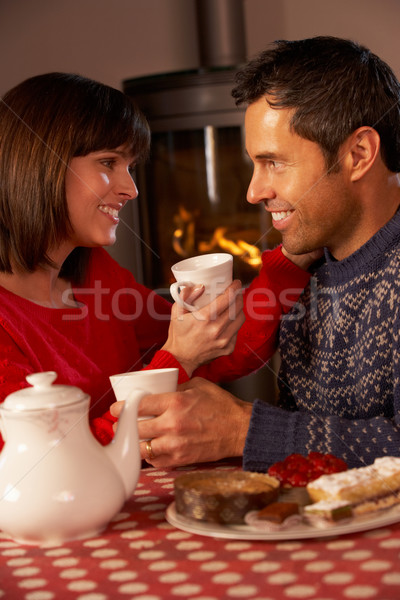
127 186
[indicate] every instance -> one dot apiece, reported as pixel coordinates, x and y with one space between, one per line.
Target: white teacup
153 381
214 271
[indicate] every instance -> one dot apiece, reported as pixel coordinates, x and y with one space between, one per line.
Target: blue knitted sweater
340 372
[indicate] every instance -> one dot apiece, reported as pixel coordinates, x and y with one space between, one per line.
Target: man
323 132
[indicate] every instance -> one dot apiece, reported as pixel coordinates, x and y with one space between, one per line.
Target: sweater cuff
270 438
165 360
102 428
281 269
285 279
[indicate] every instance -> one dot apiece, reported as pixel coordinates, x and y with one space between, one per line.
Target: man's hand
199 423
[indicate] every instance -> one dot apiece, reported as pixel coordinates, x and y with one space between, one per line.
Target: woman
68 146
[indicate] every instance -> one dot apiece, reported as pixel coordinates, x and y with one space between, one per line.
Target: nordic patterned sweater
340 372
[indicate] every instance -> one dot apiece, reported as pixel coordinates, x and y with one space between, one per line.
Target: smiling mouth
109 211
278 216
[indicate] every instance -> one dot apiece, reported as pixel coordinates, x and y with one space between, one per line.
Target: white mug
152 381
214 271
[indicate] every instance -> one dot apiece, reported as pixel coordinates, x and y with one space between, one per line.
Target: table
141 556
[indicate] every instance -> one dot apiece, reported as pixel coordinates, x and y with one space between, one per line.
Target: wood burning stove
192 191
192 196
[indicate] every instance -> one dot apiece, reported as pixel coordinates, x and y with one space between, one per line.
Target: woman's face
97 186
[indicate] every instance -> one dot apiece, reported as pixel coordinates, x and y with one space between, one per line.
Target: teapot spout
124 449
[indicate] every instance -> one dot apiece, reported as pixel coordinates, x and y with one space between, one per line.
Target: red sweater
120 327
270 295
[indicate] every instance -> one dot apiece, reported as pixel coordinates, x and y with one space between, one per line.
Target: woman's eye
109 162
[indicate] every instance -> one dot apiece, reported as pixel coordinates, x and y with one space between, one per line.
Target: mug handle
174 290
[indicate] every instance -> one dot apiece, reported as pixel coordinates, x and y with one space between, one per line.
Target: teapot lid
43 394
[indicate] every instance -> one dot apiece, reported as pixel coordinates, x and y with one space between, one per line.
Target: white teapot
57 483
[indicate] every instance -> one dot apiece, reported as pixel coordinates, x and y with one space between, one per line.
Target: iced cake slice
366 489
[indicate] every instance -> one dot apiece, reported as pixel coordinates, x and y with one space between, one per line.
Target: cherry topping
298 470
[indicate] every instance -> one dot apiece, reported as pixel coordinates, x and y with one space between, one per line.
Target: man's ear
362 147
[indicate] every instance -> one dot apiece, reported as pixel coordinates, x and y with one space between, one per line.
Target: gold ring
149 450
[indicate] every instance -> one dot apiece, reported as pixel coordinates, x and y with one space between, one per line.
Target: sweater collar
369 255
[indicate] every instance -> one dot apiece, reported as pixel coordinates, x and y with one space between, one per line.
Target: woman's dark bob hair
44 122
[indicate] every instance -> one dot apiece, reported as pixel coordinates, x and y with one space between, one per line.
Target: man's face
310 207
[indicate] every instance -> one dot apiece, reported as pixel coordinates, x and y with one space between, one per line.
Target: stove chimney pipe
221 33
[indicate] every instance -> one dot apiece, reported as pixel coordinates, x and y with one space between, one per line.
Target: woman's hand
303 260
199 423
197 337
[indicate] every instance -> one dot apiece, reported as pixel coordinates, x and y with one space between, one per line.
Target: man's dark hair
334 86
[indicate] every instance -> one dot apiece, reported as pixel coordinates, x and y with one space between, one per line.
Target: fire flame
183 241
247 252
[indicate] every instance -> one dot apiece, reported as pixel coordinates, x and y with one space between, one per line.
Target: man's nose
259 190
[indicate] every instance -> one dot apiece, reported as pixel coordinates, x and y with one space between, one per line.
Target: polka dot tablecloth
141 556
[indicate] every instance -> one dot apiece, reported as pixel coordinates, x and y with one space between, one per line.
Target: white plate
298 532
